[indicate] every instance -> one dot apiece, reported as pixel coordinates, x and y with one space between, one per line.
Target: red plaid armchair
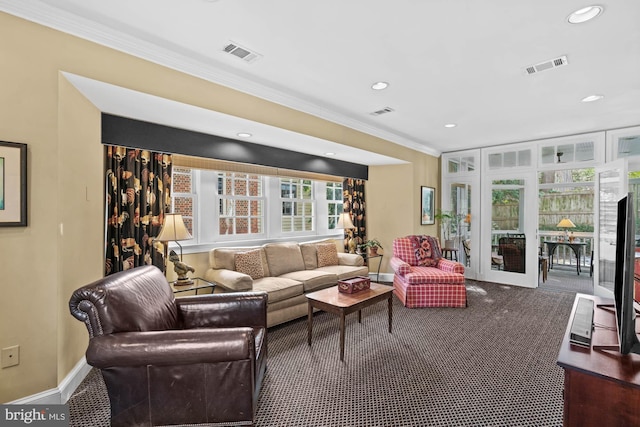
418 285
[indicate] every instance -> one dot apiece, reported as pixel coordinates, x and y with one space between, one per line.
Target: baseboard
63 392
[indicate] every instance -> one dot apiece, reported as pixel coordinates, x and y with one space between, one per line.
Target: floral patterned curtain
138 184
354 203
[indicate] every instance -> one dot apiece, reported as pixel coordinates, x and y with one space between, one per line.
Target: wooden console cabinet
601 387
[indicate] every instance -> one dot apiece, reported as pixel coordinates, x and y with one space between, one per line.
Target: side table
197 285
449 253
367 257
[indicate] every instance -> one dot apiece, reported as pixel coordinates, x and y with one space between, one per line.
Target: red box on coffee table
353 285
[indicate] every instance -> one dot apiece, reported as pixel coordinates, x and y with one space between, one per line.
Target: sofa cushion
313 279
309 255
278 288
345 271
327 254
284 258
226 258
250 263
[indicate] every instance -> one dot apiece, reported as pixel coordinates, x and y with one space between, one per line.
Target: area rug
490 364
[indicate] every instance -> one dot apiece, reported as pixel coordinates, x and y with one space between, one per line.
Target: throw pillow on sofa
250 263
327 254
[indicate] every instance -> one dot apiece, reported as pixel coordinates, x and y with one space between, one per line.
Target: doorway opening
566 229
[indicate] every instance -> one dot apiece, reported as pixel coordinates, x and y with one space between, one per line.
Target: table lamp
345 222
173 229
566 223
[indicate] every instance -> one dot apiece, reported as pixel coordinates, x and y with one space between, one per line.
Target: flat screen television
624 273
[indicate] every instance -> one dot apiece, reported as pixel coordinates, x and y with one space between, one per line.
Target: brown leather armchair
195 359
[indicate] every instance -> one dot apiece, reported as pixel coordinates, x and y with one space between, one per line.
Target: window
222 206
334 203
183 197
240 203
297 204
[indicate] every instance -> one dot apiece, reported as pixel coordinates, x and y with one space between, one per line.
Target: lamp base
351 244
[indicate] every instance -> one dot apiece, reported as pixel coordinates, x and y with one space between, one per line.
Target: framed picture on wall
427 205
13 184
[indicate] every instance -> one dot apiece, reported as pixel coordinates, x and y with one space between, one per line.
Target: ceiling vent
547 65
241 52
385 110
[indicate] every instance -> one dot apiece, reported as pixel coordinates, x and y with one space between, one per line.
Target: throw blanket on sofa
427 250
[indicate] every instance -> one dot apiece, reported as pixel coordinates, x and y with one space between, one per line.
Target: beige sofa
286 271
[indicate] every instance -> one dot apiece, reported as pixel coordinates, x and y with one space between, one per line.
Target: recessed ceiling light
244 135
592 98
450 125
379 85
330 154
585 14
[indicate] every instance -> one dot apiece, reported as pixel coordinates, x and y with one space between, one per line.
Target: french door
509 252
611 185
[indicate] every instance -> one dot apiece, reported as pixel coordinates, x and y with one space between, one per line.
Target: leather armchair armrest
399 266
176 347
224 310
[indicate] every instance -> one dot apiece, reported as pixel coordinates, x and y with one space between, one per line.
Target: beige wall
61 249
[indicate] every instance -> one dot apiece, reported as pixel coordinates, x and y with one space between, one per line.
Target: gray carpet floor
564 278
491 364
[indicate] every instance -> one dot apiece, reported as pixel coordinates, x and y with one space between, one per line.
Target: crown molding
61 20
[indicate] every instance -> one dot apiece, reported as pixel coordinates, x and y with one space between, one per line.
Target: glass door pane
612 185
508 240
460 203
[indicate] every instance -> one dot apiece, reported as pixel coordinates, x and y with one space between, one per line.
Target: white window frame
298 199
246 179
206 205
337 202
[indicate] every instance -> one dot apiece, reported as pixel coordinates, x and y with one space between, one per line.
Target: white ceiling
447 61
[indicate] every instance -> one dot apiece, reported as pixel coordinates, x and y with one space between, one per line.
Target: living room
62 247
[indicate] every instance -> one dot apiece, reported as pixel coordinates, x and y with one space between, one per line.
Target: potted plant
446 221
373 245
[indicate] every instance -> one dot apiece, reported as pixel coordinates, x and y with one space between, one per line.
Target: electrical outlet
10 356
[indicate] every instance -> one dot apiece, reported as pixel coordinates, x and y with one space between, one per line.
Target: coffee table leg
342 336
359 316
309 322
390 311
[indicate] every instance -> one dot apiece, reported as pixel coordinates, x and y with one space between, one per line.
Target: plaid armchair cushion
450 266
399 266
430 275
403 249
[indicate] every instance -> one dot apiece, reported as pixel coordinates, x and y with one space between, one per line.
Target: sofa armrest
229 279
172 347
450 266
223 310
350 259
399 266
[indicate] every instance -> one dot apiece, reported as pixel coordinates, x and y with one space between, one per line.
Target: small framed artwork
427 205
13 184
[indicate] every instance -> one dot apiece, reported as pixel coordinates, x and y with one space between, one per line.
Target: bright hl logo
43 415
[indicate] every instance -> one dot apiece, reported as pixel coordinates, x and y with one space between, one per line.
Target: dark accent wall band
132 133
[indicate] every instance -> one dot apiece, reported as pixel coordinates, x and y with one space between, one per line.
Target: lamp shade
566 223
345 221
173 229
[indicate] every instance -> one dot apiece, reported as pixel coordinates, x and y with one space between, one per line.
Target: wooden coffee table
340 304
